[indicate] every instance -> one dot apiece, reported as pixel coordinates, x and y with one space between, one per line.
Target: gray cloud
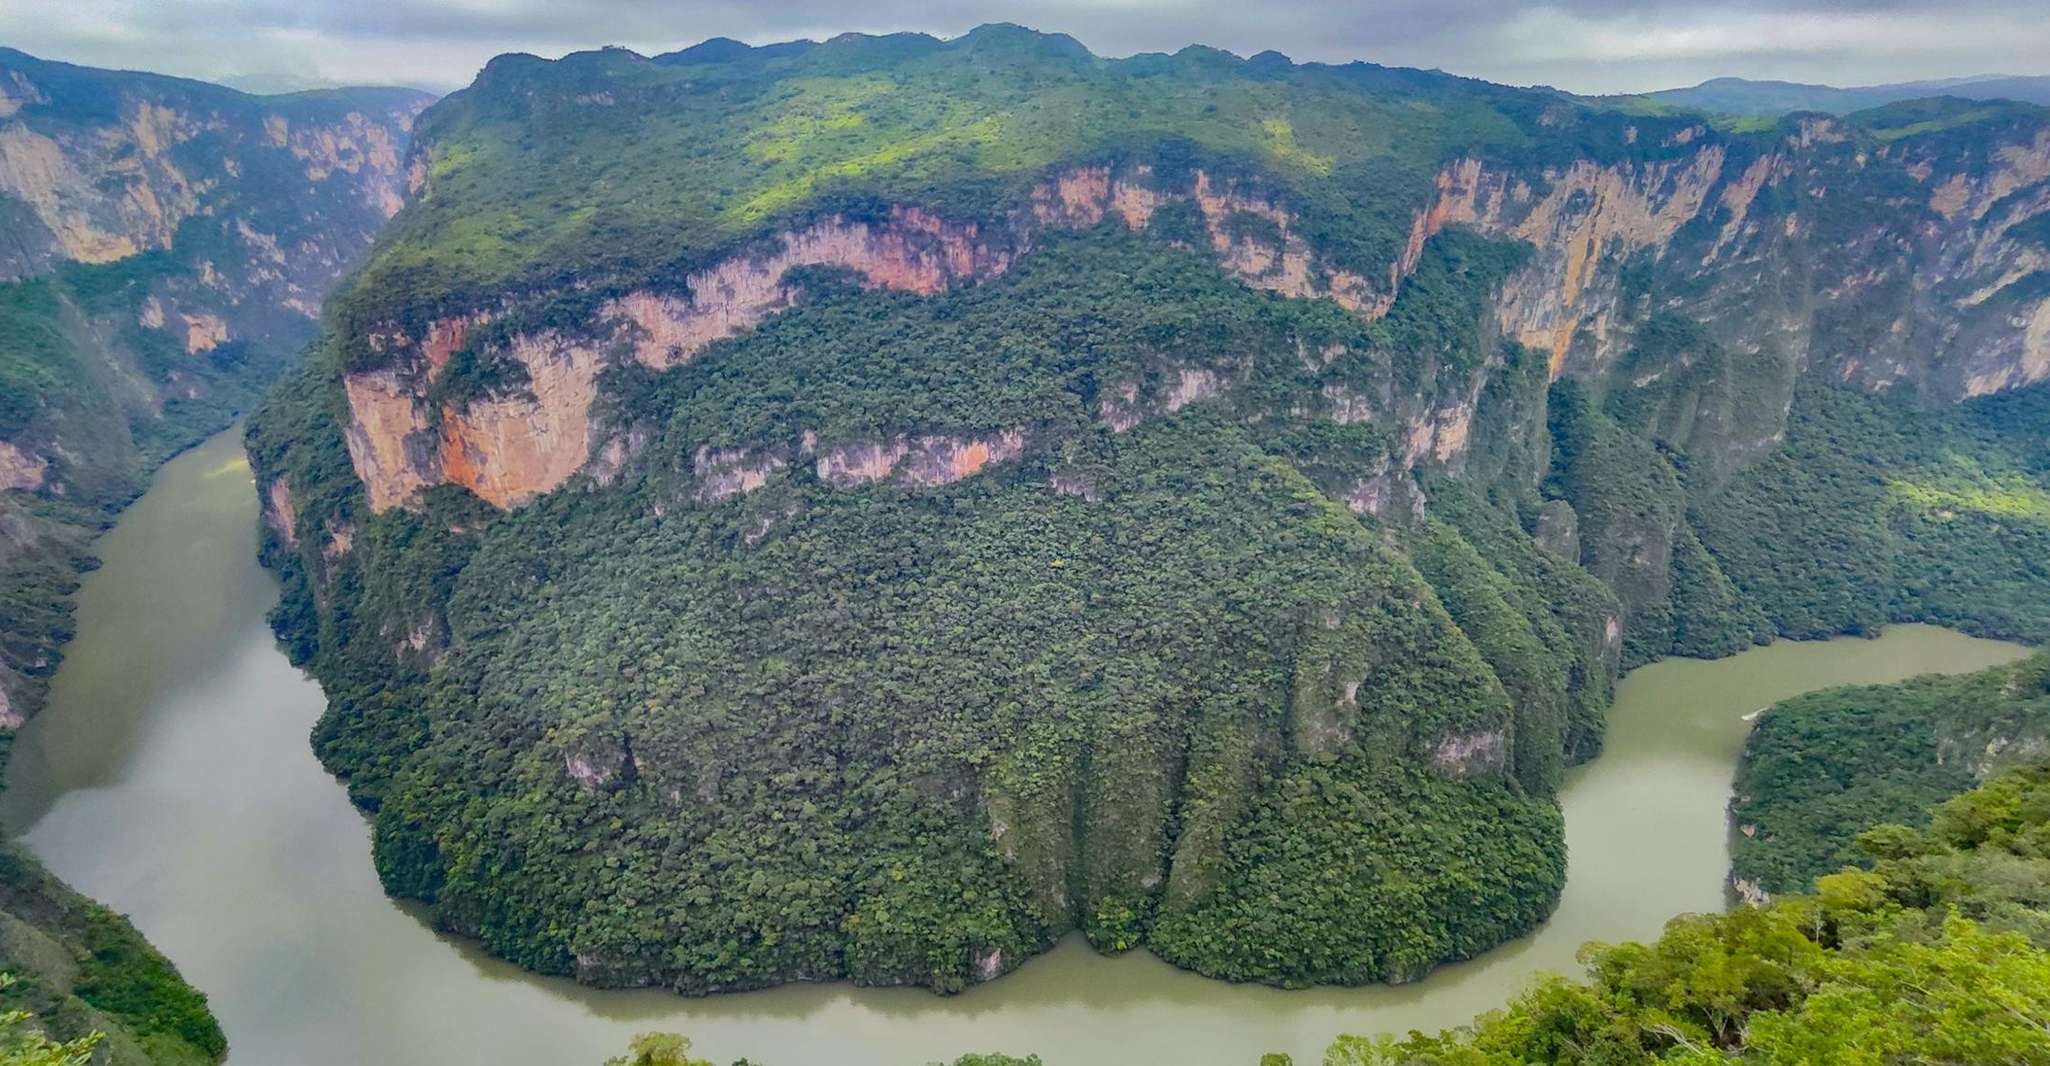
1584 45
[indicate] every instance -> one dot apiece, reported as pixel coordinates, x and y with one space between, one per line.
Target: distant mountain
1742 96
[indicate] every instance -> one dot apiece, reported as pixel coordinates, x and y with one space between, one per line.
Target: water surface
171 778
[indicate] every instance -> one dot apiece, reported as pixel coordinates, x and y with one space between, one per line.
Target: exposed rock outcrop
1484 752
20 469
928 460
907 250
1558 530
105 190
1789 283
505 448
732 471
204 333
1254 238
278 511
509 448
910 251
1581 220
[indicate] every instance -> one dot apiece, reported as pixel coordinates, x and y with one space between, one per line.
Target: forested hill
165 246
864 509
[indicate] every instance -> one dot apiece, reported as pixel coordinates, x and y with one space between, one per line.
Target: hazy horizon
1584 46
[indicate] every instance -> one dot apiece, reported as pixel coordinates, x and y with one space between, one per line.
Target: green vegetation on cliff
1632 506
546 175
1821 768
1879 511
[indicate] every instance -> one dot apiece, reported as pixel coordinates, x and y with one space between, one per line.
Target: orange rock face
1581 220
1586 217
913 251
386 421
506 449
19 469
204 333
278 512
1086 196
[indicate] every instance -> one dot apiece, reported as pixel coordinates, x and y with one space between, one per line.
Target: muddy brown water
171 778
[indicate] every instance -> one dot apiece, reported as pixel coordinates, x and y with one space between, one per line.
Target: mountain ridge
991 491
1744 96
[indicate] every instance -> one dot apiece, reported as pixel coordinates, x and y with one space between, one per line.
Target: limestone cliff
1935 294
510 447
96 166
1891 265
166 248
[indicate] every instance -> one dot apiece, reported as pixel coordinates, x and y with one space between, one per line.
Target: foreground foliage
23 1044
670 1049
1940 953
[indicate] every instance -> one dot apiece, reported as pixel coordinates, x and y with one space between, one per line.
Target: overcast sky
1582 45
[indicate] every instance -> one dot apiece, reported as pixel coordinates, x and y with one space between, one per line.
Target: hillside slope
1820 769
864 509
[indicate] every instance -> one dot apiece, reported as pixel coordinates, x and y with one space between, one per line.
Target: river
171 778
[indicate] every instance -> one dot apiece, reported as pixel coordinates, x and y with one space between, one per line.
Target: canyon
872 510
175 240
167 245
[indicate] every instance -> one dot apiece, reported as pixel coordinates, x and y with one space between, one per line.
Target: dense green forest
1820 768
1879 512
1935 949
